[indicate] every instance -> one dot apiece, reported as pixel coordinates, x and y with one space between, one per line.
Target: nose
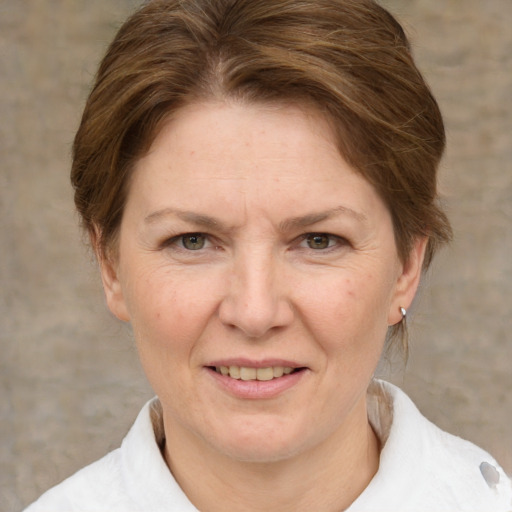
256 300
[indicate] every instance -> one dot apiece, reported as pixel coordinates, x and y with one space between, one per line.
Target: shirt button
490 474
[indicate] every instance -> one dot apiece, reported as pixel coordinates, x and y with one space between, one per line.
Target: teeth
234 372
278 371
246 373
264 373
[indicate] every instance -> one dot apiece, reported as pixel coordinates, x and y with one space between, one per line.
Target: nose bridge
256 300
257 277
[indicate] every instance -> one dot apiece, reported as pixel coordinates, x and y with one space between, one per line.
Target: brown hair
349 58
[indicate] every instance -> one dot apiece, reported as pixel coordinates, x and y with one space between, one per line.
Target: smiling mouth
249 373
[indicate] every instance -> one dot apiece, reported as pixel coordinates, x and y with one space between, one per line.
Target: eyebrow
191 217
315 217
302 221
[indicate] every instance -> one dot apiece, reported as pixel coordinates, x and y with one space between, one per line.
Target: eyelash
333 241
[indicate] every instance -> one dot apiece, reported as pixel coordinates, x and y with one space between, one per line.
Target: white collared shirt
421 469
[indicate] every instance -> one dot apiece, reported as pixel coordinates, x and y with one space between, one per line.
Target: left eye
193 241
319 241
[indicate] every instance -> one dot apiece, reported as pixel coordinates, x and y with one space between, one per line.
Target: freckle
349 288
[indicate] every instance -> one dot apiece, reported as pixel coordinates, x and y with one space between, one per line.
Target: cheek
169 314
157 310
350 312
165 332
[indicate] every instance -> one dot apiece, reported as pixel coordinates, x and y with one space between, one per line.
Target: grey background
70 380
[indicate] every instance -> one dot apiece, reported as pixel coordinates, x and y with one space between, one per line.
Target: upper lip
252 363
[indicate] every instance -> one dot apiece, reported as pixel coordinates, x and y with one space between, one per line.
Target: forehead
211 152
233 119
215 134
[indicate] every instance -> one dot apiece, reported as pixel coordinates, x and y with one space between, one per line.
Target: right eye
187 242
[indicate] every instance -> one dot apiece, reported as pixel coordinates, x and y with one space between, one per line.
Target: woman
258 180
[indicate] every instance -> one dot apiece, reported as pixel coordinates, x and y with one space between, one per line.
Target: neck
326 478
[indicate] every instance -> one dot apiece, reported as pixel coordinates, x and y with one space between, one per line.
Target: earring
403 311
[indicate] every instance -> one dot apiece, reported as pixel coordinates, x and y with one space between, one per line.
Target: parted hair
349 59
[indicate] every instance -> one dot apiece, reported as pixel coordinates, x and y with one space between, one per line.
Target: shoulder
91 488
132 478
426 468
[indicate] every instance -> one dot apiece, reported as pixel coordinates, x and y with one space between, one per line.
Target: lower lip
257 389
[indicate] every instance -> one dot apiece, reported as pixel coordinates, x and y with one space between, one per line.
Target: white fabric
422 469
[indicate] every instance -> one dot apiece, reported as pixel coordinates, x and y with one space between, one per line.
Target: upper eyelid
338 238
322 233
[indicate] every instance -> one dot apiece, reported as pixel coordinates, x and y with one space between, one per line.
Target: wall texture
69 377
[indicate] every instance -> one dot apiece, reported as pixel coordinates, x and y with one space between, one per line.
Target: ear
408 281
109 270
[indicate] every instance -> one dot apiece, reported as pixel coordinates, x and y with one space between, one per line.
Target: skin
256 181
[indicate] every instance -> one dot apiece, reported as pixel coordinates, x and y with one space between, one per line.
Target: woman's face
260 275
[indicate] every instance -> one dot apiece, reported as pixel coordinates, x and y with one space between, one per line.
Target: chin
259 443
